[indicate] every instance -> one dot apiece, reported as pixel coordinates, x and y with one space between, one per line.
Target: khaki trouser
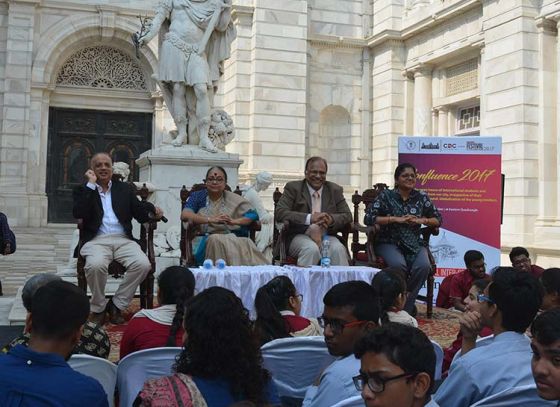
99 253
307 252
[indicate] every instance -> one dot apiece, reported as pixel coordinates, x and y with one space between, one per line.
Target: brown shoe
97 317
115 316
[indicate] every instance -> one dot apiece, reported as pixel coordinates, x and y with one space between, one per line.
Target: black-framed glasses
337 327
214 180
375 383
299 297
484 298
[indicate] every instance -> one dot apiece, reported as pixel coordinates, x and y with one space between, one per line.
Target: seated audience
389 286
443 300
220 363
546 354
550 280
161 326
351 308
224 216
401 213
94 340
508 306
398 364
38 375
471 305
520 260
278 307
461 282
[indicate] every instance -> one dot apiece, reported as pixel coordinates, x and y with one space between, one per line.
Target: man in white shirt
351 309
107 208
398 364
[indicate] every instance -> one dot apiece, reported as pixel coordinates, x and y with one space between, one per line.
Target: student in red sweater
278 306
152 328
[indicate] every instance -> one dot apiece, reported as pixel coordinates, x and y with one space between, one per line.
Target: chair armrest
280 249
191 230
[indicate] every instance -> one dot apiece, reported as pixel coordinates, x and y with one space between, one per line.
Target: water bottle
208 264
325 252
221 264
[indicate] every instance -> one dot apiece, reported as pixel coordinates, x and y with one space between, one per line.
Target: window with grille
468 120
462 77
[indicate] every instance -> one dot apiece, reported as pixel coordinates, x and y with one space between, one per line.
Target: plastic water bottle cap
221 264
208 264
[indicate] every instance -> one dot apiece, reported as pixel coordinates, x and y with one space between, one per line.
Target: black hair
517 295
517 251
356 294
472 255
272 298
400 169
311 160
219 168
176 285
550 280
405 346
221 344
480 284
58 310
387 285
546 327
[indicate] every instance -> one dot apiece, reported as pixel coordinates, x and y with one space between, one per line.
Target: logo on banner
411 145
450 146
429 146
473 146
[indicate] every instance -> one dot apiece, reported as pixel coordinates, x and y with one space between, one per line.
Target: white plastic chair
100 369
134 369
439 359
487 340
295 363
356 401
525 396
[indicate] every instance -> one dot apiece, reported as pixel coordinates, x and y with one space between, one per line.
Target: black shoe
115 316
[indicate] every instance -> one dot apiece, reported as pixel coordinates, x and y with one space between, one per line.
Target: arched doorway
91 81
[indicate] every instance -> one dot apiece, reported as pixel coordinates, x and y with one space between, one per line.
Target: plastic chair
100 369
487 340
356 401
295 363
525 396
134 369
439 359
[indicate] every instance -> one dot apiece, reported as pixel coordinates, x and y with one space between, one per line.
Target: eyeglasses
484 298
214 180
375 383
479 267
413 176
299 297
337 327
520 261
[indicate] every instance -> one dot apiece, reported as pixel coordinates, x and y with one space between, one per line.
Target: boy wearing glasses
508 305
351 309
462 282
398 363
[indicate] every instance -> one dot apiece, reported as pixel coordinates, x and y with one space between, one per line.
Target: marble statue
251 193
195 38
122 169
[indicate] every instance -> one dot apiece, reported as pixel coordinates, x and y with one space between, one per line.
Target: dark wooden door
75 136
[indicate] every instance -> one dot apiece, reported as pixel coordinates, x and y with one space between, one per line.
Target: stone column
443 121
423 101
18 165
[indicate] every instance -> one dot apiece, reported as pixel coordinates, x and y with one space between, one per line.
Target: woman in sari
220 363
224 217
401 212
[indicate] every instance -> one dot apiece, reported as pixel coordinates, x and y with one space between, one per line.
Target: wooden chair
364 252
282 232
116 269
189 230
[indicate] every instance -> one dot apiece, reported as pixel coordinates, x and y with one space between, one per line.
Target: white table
311 282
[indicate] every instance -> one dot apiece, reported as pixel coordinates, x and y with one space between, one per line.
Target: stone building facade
338 78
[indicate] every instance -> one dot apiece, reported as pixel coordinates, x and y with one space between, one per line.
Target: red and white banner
462 176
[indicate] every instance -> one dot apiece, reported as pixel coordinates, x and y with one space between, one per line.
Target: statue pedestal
168 168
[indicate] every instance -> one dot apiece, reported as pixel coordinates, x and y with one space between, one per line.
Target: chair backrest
355 401
100 369
295 363
525 396
439 359
134 369
487 340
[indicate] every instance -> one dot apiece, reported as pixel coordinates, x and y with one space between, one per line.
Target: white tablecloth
311 282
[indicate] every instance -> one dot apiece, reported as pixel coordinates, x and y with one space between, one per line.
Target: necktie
316 202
